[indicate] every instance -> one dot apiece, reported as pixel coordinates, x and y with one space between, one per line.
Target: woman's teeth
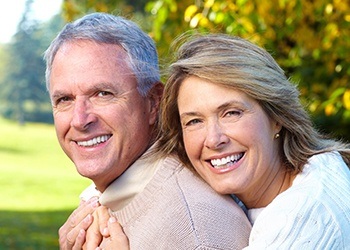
219 163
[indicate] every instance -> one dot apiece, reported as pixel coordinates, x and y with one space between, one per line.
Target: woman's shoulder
318 203
323 183
297 217
325 179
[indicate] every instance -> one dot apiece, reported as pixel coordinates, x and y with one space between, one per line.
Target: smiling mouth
223 162
94 141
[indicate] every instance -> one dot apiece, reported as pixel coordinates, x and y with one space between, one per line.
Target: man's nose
83 115
216 136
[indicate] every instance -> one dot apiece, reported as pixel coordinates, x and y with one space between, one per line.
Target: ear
155 95
277 127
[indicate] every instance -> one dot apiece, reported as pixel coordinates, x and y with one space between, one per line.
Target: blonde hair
239 64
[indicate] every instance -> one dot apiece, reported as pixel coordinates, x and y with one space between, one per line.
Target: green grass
39 186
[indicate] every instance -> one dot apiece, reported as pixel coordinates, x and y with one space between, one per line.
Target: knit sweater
314 213
178 210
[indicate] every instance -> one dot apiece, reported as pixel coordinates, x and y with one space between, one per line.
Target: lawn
39 186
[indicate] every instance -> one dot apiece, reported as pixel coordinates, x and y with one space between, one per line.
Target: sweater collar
122 190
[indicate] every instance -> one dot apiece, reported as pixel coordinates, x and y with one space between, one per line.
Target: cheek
254 130
61 124
192 145
257 136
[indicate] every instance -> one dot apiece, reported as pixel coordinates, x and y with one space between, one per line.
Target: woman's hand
117 239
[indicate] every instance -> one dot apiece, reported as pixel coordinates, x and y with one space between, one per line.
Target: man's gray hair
110 29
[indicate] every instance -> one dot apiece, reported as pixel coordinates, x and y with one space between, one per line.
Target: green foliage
23 95
23 81
39 186
75 8
309 39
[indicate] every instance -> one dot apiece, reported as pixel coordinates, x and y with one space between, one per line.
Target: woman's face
230 140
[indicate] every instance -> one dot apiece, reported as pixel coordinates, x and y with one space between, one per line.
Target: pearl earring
277 135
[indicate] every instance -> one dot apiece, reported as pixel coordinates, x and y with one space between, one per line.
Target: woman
230 112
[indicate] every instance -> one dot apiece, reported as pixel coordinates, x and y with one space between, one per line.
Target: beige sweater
178 210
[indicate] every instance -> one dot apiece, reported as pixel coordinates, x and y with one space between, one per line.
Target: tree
75 8
310 39
24 95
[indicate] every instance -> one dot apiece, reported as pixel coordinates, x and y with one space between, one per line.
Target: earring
277 135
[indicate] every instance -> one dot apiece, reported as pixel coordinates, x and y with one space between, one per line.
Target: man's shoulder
192 187
186 210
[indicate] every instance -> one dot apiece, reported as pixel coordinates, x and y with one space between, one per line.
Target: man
103 79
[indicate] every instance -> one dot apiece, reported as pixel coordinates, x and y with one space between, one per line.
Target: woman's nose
216 136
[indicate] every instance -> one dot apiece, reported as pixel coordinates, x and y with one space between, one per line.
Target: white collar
122 190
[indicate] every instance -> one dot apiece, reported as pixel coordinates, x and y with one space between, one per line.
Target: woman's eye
233 113
192 122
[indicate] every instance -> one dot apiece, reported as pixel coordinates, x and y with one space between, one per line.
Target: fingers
118 239
80 239
103 216
71 233
93 234
76 237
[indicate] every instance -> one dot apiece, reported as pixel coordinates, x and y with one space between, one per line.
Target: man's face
102 122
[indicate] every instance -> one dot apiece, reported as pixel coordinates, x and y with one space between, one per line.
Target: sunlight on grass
35 174
39 186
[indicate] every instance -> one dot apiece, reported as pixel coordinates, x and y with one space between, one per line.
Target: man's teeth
223 161
94 141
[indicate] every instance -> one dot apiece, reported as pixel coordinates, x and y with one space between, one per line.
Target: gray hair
110 29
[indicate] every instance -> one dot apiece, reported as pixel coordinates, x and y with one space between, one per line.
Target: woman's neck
264 195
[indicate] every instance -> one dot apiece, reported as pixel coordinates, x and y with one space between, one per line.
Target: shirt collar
122 190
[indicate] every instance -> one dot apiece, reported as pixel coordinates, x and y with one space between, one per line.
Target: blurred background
39 186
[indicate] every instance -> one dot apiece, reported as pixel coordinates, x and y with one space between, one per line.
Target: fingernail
112 220
87 218
105 231
95 203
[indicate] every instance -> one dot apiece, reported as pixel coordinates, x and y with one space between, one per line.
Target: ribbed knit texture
178 210
312 214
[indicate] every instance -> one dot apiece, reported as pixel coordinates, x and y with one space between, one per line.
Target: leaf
189 12
346 99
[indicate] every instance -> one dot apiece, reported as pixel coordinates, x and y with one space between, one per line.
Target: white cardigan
314 213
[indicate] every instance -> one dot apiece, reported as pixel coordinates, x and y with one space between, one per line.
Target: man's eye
62 100
104 93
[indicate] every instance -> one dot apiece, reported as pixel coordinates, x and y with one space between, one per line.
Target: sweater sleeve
296 222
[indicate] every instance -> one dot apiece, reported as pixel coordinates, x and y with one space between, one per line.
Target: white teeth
223 161
94 141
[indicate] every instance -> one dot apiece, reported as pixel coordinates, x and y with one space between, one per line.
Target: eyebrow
57 94
95 87
189 114
104 85
221 107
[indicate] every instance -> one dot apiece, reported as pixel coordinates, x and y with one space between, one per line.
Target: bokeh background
39 186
